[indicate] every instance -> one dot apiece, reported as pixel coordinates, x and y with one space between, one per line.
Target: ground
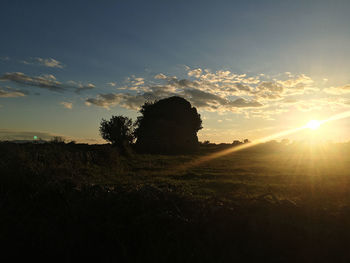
268 203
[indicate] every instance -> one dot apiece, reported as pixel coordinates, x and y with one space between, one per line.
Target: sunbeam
313 125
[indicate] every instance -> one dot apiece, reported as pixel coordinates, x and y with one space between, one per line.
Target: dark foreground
69 203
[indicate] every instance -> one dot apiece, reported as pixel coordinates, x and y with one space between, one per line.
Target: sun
313 124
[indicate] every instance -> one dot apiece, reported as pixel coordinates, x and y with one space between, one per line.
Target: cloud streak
8 92
46 62
48 82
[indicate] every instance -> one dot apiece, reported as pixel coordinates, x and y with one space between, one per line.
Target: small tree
118 130
57 140
236 142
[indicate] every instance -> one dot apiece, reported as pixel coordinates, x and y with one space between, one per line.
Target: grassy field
268 203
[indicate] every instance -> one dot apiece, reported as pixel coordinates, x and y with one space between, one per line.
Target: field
268 203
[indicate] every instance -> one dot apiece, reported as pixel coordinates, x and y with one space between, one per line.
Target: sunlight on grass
312 125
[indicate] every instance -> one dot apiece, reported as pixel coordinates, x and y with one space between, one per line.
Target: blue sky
251 67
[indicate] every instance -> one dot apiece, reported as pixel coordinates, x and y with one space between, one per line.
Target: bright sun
313 124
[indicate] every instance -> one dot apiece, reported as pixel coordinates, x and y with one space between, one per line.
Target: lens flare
313 124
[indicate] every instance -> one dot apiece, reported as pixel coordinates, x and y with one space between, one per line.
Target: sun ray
313 124
241 147
339 116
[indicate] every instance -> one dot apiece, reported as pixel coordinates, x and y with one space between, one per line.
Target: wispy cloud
135 81
48 82
7 92
112 84
160 76
67 105
45 81
112 99
47 62
338 90
5 58
195 72
80 88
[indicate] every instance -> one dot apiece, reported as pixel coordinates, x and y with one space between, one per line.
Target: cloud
242 103
82 88
304 105
268 90
289 100
160 76
112 84
47 62
296 84
134 81
200 99
67 105
270 86
338 90
203 99
254 96
131 101
195 73
8 92
242 87
46 81
6 58
218 91
112 99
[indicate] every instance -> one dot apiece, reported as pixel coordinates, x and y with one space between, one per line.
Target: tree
168 126
57 140
236 142
118 130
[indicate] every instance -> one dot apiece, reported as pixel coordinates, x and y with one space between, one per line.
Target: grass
269 203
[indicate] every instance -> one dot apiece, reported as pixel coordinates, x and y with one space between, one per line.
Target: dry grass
271 203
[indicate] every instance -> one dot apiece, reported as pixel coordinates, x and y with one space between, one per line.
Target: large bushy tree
168 126
118 130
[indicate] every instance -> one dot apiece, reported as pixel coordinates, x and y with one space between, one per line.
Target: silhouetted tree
236 142
57 140
168 126
118 130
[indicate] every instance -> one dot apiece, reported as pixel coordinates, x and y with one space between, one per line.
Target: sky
251 68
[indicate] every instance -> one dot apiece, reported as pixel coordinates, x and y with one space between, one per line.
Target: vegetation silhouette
76 202
118 131
272 202
168 126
